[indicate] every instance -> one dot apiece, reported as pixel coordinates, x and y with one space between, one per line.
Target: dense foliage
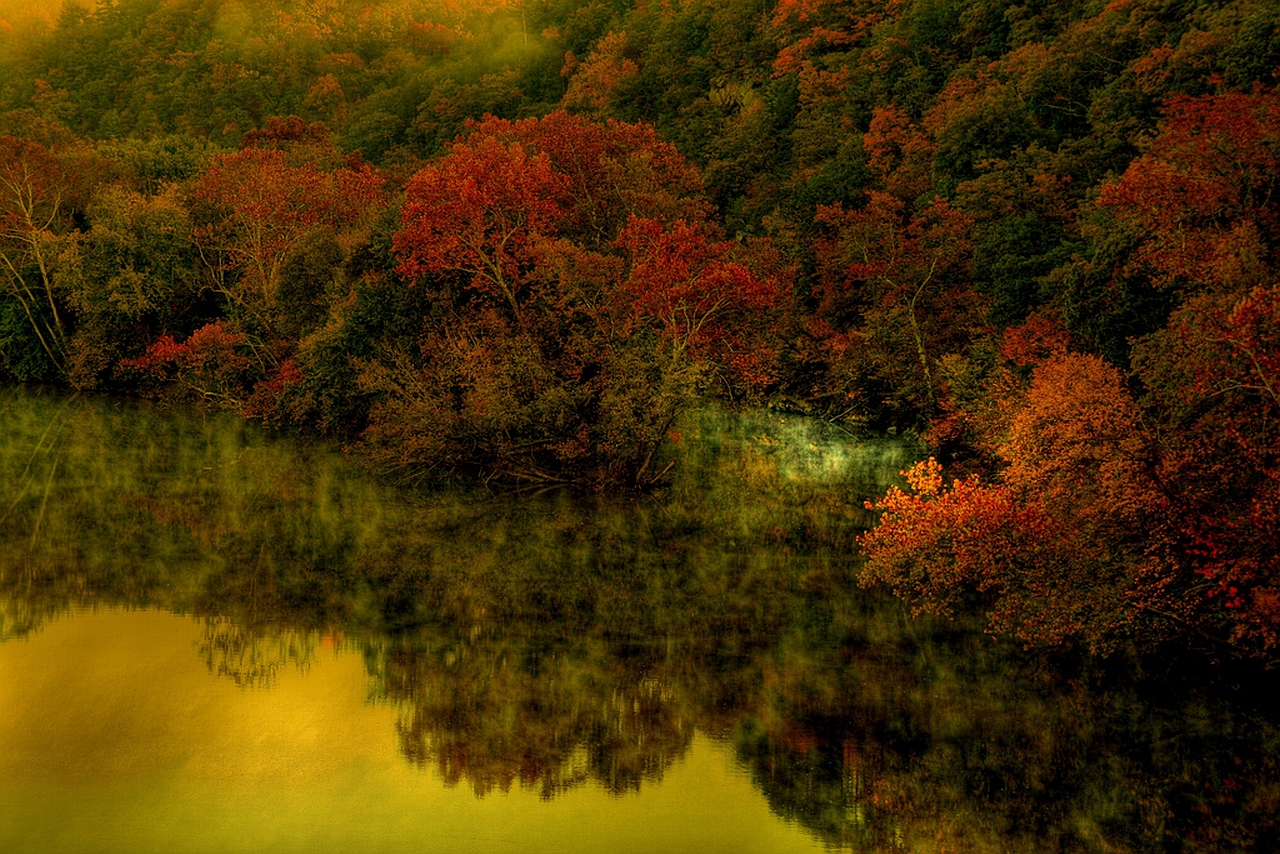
525 240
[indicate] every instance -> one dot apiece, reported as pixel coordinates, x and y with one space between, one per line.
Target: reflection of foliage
553 643
884 740
495 710
205 517
252 659
19 620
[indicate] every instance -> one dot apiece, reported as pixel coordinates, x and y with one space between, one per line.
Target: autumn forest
519 240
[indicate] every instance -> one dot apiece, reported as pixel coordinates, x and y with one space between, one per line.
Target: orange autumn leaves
1138 507
1058 546
1112 518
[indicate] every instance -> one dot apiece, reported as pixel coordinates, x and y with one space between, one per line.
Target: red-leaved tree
482 210
258 208
1203 197
897 283
597 300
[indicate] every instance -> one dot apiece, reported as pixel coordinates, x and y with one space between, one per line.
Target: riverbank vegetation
522 241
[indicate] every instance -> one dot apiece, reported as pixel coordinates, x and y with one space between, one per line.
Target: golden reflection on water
115 736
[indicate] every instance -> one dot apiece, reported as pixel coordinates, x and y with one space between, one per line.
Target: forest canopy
523 237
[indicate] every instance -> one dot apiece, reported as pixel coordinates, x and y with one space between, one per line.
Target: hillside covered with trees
522 238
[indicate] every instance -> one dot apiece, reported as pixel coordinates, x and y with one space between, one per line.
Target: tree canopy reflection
550 642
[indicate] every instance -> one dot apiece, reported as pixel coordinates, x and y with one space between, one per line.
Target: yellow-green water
212 639
115 737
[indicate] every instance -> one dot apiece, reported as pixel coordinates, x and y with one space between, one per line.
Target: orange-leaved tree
1070 542
947 547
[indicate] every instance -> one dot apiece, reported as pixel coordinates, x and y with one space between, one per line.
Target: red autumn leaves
517 206
1203 194
1144 507
482 210
264 205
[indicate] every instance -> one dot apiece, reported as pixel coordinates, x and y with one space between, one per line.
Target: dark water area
213 639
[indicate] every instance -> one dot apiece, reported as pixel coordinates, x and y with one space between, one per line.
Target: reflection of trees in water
205 518
253 658
493 714
951 743
552 644
19 618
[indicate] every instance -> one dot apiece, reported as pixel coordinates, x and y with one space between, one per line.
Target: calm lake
213 639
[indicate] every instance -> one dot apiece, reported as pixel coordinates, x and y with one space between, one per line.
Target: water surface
216 640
